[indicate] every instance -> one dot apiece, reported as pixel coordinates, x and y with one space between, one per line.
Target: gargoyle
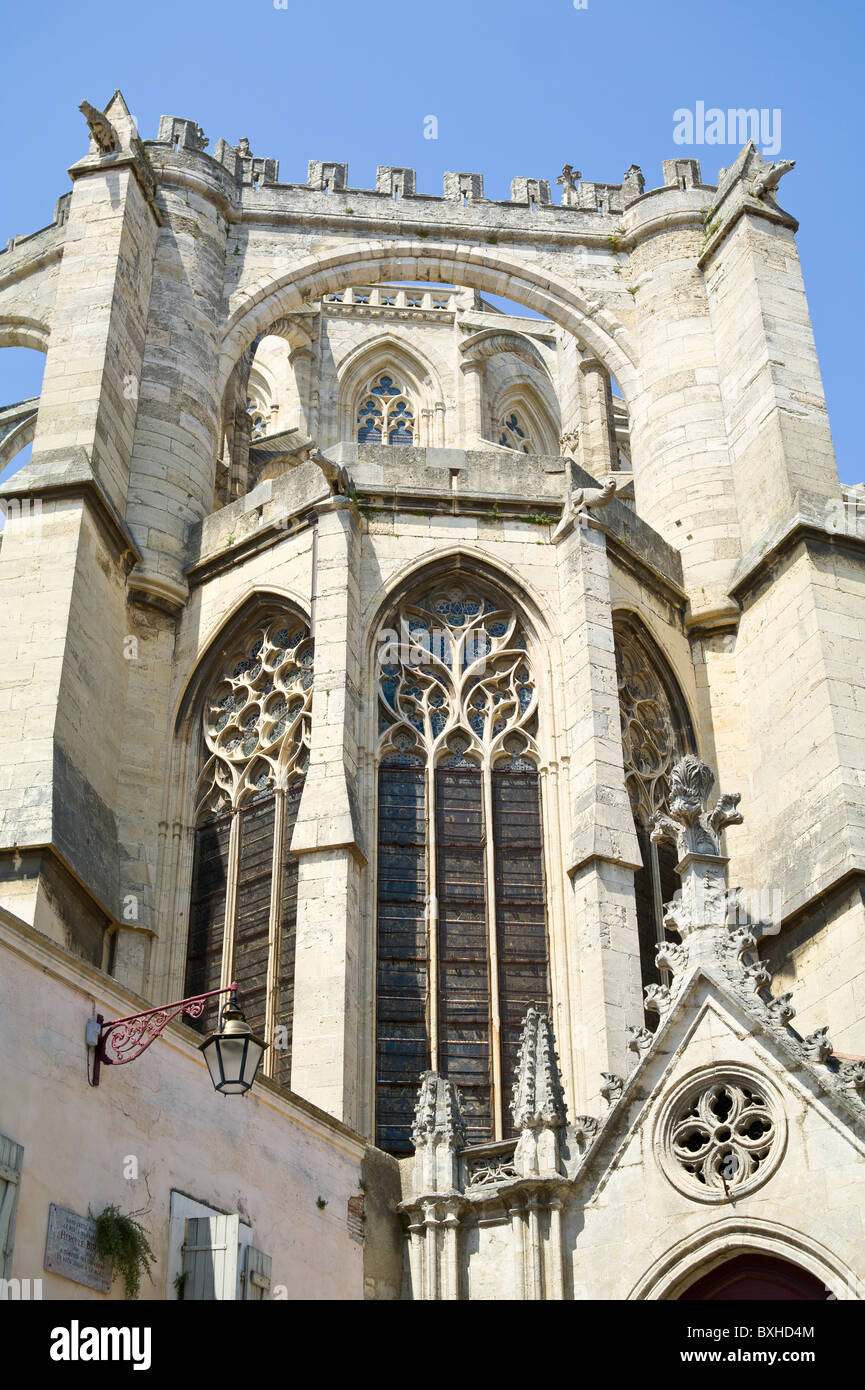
584 499
771 177
101 129
337 478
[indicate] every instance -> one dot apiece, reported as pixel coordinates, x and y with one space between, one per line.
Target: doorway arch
753 1275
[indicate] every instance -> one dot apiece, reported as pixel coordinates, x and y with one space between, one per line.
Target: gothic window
385 414
514 435
259 418
656 732
462 931
255 737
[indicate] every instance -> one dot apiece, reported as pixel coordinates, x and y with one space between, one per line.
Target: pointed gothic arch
240 755
415 380
656 731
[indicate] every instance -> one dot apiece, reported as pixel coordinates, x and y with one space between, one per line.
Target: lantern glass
233 1055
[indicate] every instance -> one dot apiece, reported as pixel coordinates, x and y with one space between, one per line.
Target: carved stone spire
538 1098
438 1133
538 1104
438 1115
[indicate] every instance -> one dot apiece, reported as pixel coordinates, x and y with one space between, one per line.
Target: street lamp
233 1054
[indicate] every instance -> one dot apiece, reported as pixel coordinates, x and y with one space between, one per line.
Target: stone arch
386 349
19 436
18 331
490 270
524 400
709 1246
629 615
534 608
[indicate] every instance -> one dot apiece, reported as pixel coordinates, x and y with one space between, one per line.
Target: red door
750 1277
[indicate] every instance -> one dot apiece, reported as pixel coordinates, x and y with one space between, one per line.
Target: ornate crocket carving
688 823
817 1046
658 998
585 1128
613 1087
438 1114
538 1098
780 1010
639 1040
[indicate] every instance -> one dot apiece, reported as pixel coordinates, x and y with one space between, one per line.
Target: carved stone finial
817 1046
538 1098
438 1114
688 824
633 184
613 1087
568 179
101 130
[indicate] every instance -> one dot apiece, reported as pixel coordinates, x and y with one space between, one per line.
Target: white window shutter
11 1155
210 1257
256 1274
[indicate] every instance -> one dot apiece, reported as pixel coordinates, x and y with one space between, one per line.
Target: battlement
398 184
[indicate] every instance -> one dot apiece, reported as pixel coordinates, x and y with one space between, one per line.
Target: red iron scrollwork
123 1039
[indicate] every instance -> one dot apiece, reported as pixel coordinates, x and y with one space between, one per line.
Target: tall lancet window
462 927
385 414
656 732
255 737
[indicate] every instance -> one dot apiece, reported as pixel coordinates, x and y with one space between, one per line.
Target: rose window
722 1137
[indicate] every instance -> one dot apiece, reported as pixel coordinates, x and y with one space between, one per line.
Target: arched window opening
255 750
385 413
515 435
260 416
462 926
656 732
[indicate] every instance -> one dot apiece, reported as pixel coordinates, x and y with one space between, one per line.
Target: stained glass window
462 923
656 732
514 435
385 413
255 736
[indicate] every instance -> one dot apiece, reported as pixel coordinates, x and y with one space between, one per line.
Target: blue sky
517 89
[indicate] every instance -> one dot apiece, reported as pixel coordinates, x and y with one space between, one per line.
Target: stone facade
263 397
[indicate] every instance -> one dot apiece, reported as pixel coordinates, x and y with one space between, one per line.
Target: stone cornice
756 565
89 490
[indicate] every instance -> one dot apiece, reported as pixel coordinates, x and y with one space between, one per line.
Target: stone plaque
70 1249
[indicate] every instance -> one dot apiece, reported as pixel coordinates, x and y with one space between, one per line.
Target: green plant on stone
179 1282
123 1240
